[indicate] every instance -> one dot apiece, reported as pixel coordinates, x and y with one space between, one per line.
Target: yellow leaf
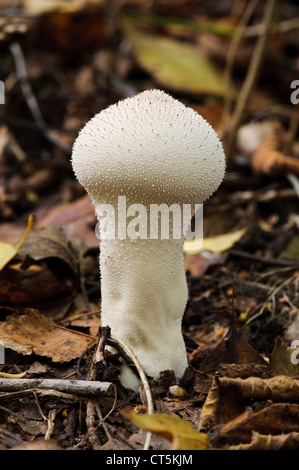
216 244
38 7
174 64
7 251
181 433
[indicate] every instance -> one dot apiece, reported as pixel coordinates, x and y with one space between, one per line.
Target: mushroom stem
154 154
143 308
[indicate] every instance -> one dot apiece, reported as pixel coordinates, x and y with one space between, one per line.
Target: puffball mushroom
151 149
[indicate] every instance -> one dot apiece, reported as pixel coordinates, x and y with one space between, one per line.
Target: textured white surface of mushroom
154 150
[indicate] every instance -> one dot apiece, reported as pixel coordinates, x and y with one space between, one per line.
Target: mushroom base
144 295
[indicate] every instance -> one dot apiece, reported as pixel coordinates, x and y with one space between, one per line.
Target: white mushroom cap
150 148
153 150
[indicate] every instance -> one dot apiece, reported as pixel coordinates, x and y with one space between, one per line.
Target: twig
150 407
294 180
270 261
271 297
100 416
29 95
39 407
91 407
128 354
5 375
234 296
9 439
91 428
251 78
51 423
77 387
121 437
79 375
283 27
45 393
231 56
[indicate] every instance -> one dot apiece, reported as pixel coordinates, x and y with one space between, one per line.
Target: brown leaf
243 371
268 442
231 349
281 361
227 398
49 245
27 286
269 160
76 217
198 264
274 419
32 333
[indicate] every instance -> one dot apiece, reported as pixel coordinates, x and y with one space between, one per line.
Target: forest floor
241 324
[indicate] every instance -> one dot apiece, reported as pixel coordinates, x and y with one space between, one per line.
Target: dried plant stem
144 381
31 100
251 78
230 59
76 387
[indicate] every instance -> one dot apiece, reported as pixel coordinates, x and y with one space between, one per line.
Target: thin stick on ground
76 387
129 356
150 407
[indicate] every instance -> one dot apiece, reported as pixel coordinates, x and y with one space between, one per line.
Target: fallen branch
77 387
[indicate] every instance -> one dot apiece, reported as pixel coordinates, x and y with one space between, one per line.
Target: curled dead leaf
281 360
49 245
227 398
259 441
269 160
8 251
33 333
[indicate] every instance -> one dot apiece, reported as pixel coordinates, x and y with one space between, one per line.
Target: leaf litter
241 386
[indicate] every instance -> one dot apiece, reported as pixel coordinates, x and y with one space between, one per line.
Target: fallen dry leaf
49 245
75 217
181 433
20 286
232 348
281 360
198 264
33 333
227 398
273 419
268 442
269 160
